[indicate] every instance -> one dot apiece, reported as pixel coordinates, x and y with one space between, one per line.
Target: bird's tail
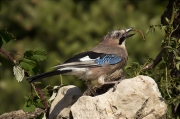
45 75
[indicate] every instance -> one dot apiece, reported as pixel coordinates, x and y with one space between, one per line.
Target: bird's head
117 37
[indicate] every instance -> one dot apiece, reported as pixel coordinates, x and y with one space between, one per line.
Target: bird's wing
90 59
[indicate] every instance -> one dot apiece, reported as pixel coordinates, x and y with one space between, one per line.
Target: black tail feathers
45 75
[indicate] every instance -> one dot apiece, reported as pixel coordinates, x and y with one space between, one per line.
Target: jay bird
96 64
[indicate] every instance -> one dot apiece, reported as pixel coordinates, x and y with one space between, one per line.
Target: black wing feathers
45 75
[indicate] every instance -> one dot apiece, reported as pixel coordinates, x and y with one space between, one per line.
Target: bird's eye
117 35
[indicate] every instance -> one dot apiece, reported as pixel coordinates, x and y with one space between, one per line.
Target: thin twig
155 61
141 68
61 80
7 55
167 84
41 95
36 87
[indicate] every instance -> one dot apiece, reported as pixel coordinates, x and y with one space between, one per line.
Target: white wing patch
75 71
86 58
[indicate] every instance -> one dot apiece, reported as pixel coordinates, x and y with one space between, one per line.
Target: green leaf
36 55
152 30
178 65
41 116
27 64
0 64
169 47
26 97
6 36
167 20
178 58
164 27
147 32
39 103
178 87
29 108
18 72
35 70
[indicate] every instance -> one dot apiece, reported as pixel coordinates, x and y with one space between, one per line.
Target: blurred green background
67 27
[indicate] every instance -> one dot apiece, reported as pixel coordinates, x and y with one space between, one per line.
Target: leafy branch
28 65
165 68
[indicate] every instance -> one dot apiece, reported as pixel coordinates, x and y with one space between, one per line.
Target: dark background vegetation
67 27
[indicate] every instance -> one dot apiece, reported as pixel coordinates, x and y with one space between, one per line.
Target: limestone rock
20 114
138 97
60 107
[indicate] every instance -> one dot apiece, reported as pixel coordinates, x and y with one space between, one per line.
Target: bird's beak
126 35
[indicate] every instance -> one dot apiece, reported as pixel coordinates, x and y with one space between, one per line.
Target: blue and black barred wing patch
108 59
